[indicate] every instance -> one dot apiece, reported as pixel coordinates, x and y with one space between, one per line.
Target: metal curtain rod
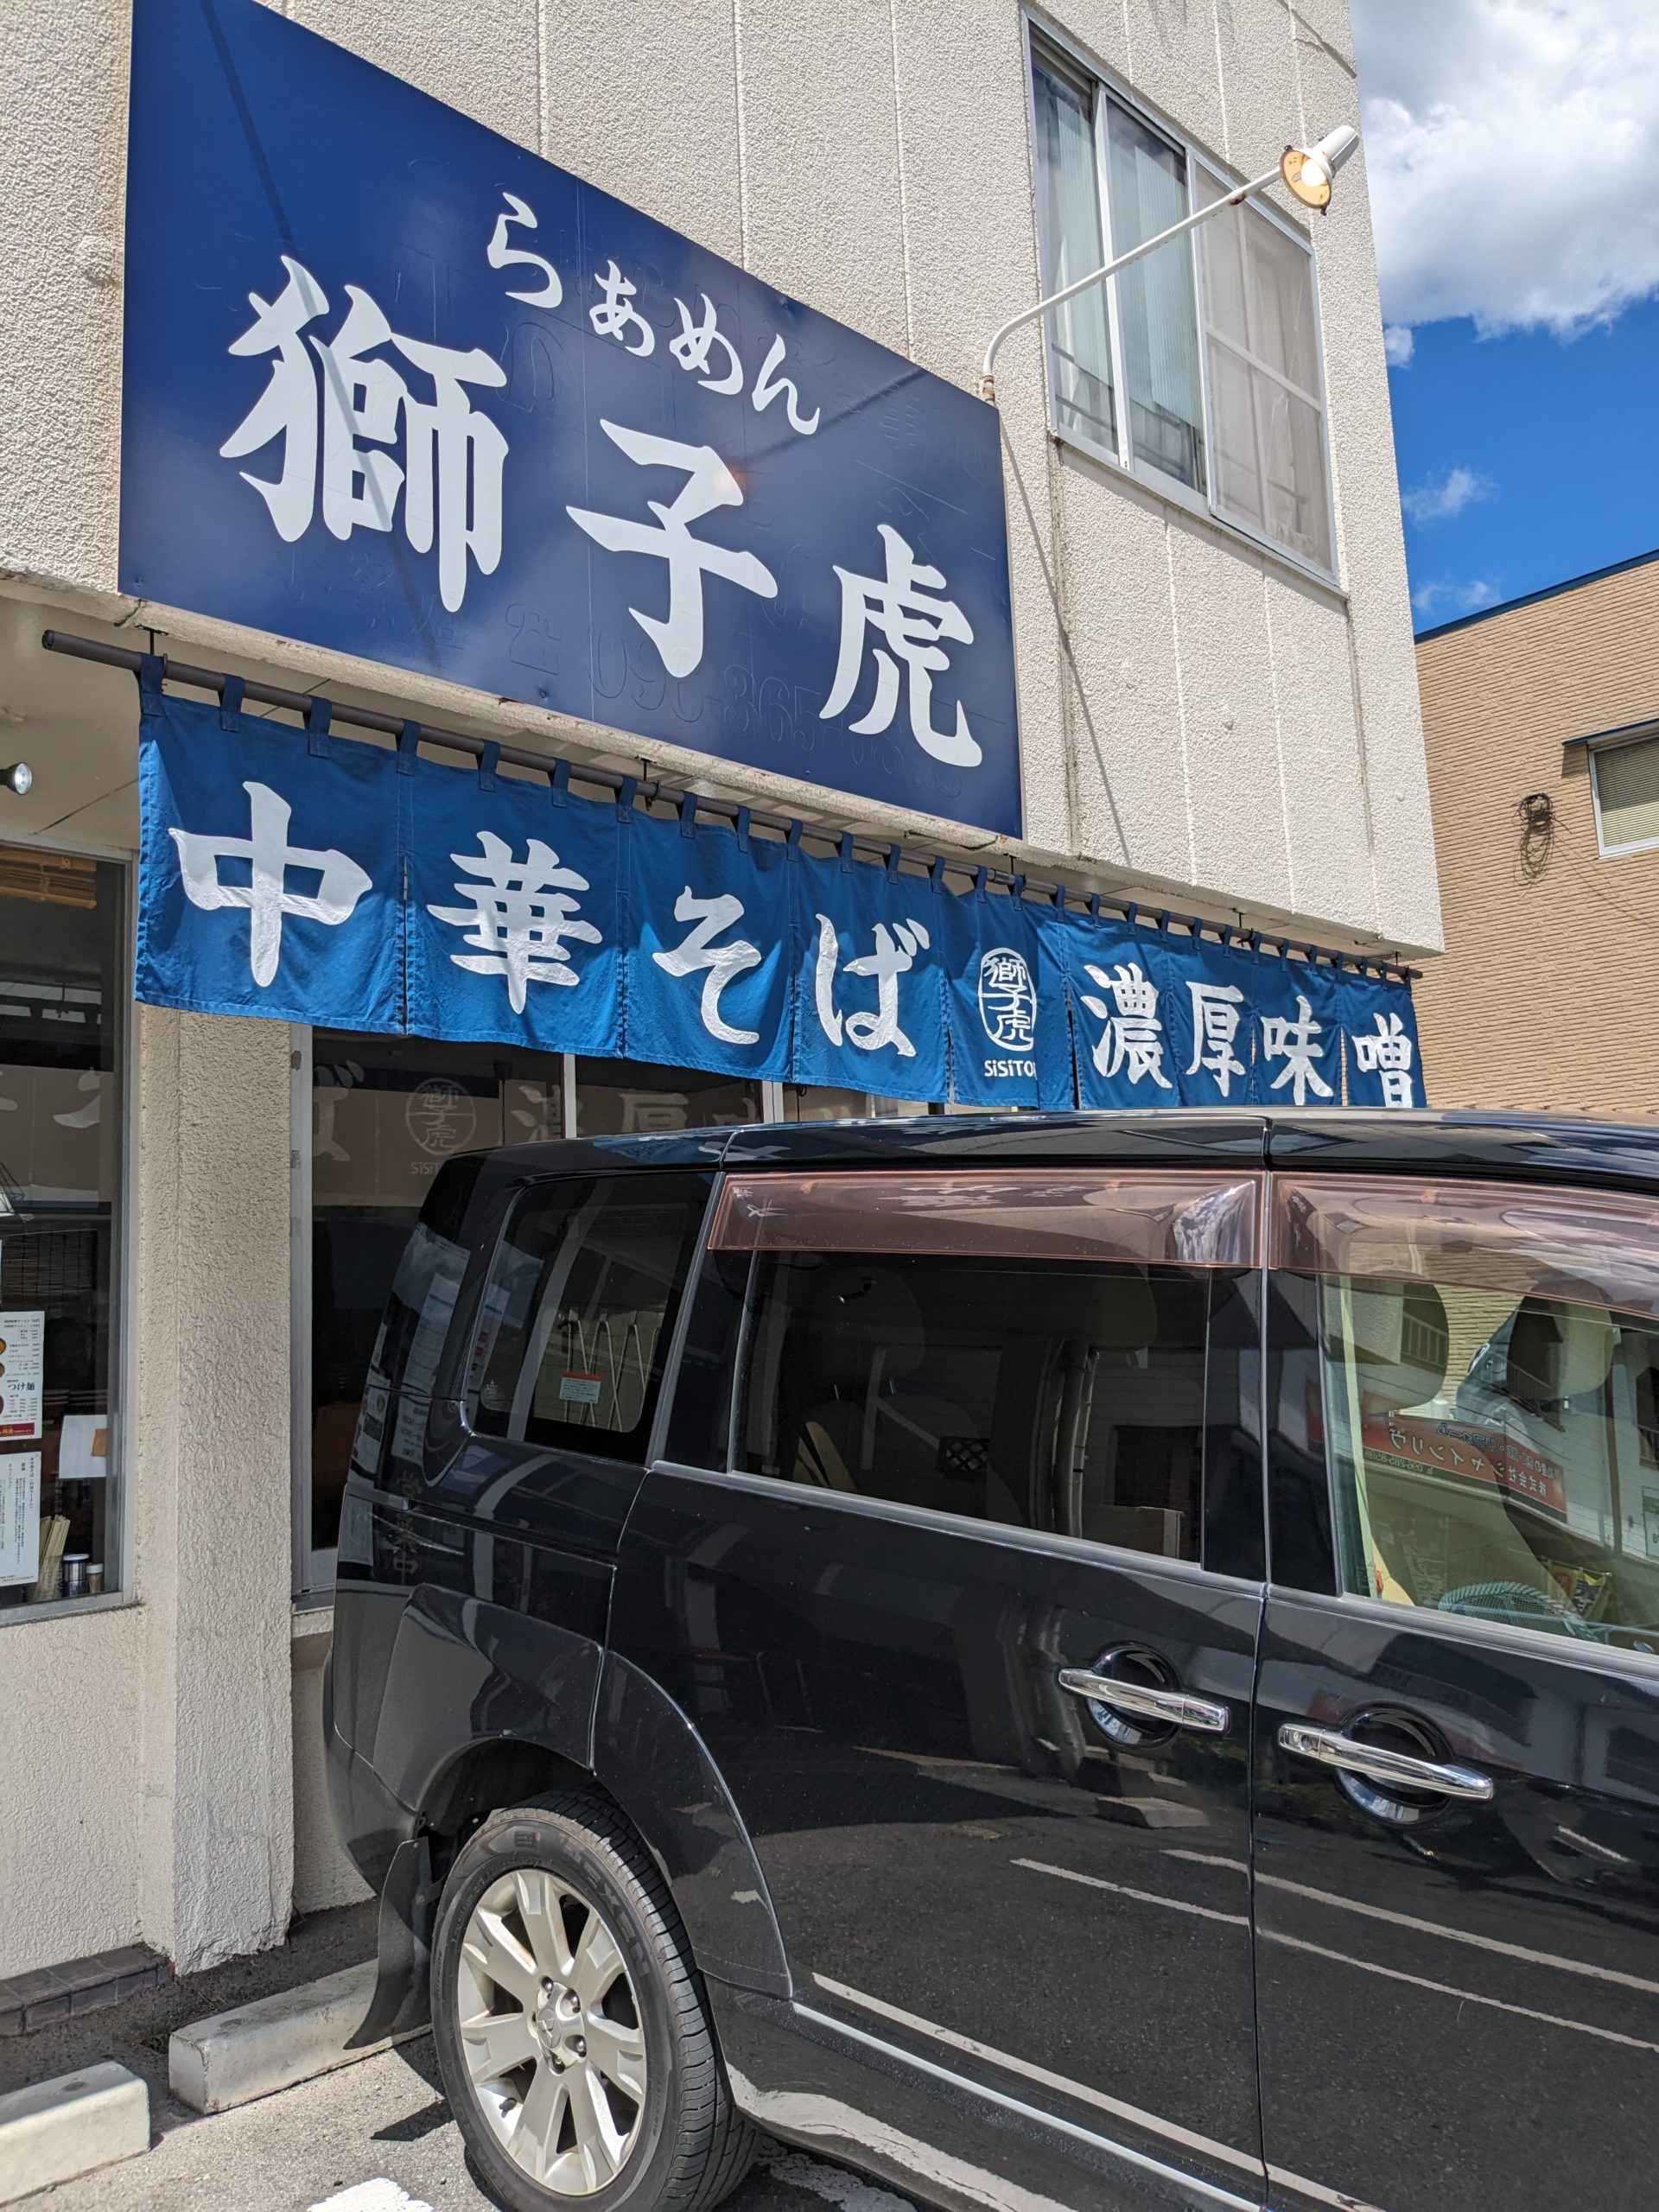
297 702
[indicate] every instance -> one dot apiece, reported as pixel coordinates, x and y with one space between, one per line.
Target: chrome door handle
1330 1747
1172 1707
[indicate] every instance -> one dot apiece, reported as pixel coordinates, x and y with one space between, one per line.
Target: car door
1456 1831
954 1561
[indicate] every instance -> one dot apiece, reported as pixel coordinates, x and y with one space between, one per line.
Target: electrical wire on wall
1536 815
1545 837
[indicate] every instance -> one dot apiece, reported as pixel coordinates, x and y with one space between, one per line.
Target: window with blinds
1627 779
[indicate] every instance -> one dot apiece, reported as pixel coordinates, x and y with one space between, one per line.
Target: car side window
1486 1397
574 1324
1024 1347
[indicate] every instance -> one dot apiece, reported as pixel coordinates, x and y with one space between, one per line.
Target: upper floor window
1625 780
1198 369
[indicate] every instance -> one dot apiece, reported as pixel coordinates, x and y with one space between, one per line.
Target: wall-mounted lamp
17 779
1307 171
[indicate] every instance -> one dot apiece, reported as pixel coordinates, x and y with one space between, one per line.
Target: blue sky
1525 459
1512 156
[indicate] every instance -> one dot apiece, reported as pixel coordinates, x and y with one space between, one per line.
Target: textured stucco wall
1196 718
73 1796
210 1481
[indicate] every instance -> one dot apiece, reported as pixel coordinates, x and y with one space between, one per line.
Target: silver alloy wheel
550 2031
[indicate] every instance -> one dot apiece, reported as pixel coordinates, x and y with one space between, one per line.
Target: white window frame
1648 736
1122 461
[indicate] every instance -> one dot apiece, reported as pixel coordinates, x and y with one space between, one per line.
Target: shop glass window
63 994
1485 1396
1021 1347
808 1101
574 1322
627 1099
1625 779
1211 389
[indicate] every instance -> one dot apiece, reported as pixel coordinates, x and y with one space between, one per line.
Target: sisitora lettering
998 1070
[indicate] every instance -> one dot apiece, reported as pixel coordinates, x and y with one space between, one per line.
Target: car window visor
1147 1218
1586 1246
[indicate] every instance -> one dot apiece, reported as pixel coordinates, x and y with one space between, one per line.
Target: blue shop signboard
309 877
396 387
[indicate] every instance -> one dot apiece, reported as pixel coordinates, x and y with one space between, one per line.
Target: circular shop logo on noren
1007 1000
441 1116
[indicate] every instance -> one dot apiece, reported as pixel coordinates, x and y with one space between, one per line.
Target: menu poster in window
20 1516
23 1341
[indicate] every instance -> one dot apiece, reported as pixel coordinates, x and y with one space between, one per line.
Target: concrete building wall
1201 724
1546 998
1197 718
72 1694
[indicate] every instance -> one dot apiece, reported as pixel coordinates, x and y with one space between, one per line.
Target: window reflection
386 1113
1494 1455
61 995
629 1098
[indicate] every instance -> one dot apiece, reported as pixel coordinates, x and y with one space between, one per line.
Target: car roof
1522 1147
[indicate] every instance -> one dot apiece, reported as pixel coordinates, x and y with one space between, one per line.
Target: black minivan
1066 1661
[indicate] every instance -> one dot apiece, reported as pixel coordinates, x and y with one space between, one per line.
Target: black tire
689 2147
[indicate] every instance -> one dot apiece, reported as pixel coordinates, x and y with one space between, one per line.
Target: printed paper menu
23 1342
20 1516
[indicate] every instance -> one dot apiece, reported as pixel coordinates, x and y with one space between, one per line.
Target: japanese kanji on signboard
397 387
305 877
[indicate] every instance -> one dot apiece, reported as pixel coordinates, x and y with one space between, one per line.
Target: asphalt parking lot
375 2137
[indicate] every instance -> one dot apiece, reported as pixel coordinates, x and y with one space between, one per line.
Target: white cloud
1438 501
1513 151
1398 345
1454 599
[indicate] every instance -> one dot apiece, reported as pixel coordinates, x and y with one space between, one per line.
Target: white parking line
378 2195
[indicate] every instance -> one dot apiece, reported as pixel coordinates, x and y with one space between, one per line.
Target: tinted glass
387 1113
1069 1398
573 1325
1488 1408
